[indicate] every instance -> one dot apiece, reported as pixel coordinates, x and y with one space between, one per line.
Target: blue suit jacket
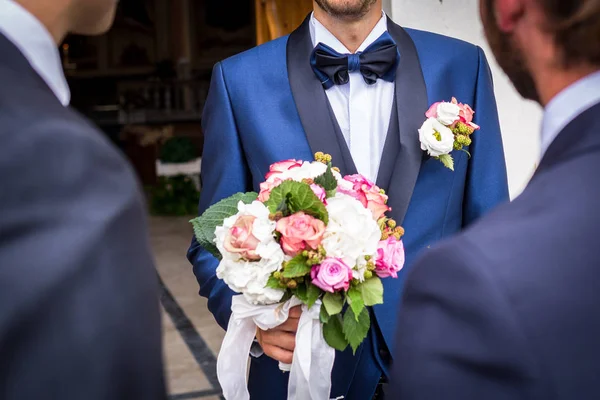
266 105
509 309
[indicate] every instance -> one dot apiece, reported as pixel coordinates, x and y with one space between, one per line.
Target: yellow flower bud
368 274
391 223
292 284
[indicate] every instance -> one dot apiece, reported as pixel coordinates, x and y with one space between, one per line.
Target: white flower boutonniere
448 127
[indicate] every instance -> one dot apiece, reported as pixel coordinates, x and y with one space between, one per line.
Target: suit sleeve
487 184
81 316
224 172
457 337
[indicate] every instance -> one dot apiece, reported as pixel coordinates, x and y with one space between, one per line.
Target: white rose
435 138
448 113
351 233
250 277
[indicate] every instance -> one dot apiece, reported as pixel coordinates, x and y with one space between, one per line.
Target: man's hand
279 343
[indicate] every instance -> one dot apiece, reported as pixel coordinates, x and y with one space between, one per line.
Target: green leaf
300 292
333 303
447 160
298 197
312 294
274 283
356 328
355 300
372 291
333 332
296 267
204 225
327 181
323 315
288 295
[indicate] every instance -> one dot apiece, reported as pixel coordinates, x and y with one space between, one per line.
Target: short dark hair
575 26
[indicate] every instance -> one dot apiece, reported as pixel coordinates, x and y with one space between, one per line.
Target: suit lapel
311 100
403 166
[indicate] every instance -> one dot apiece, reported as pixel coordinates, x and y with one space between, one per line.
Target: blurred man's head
84 17
347 9
538 42
92 17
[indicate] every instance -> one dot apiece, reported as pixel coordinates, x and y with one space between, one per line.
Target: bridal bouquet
312 238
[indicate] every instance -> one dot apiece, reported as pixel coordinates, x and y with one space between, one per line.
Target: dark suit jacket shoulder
508 309
79 316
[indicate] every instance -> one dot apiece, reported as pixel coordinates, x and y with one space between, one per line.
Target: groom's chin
346 8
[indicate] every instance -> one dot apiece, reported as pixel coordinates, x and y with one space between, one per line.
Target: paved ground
191 336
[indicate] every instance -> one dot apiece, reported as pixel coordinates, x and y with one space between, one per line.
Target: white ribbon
310 372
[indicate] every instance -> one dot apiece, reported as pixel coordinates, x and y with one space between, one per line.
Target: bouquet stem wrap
310 372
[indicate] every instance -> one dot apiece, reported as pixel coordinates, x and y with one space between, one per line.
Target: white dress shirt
568 105
32 38
362 111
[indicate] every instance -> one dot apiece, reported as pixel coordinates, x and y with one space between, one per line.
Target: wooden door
276 18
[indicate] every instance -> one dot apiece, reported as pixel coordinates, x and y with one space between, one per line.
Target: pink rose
240 240
282 166
466 114
299 231
319 192
331 275
390 258
368 194
266 187
432 112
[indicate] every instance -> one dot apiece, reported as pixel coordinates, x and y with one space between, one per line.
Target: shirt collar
568 105
320 34
34 41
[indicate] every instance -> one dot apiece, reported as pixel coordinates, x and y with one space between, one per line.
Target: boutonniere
448 127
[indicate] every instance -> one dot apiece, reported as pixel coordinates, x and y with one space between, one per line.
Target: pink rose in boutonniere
448 127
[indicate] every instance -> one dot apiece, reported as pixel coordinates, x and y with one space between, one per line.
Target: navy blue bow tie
378 61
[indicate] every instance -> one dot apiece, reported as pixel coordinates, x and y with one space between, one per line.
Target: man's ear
508 13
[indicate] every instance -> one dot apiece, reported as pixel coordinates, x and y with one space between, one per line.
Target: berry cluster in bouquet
312 238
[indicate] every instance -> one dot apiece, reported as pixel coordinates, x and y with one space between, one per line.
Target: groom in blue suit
351 83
